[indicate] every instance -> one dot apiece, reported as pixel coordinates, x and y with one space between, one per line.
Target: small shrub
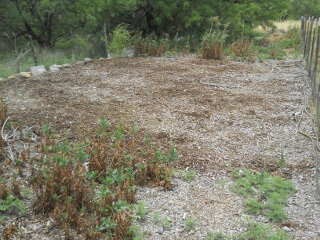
243 49
213 41
151 46
120 39
276 51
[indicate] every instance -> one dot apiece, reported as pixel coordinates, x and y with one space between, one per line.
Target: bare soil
219 114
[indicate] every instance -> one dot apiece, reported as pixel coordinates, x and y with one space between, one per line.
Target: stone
1 79
54 68
79 62
285 228
87 60
26 74
160 230
65 65
12 77
37 70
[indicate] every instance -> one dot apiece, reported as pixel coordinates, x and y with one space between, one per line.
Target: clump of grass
265 194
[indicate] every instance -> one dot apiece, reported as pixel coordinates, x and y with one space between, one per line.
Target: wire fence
310 32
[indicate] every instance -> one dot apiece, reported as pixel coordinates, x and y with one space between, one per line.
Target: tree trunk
105 38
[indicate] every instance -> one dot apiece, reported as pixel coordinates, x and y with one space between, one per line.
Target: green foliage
162 221
217 236
188 176
259 231
12 203
306 8
136 233
281 161
264 193
140 210
106 226
189 224
120 39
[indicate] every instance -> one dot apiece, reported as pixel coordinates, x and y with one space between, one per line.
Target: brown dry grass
212 51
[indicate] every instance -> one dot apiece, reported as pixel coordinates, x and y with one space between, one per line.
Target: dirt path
219 114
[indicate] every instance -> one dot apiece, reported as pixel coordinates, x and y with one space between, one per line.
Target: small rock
65 65
79 62
26 74
54 68
160 230
285 228
87 60
184 216
34 227
1 79
37 70
11 77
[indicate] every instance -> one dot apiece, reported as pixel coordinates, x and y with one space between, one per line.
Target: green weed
140 210
136 233
217 236
262 232
189 224
188 176
162 221
265 194
11 204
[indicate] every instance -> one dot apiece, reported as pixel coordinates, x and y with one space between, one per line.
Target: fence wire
310 33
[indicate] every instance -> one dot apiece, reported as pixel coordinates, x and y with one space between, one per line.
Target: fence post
302 27
306 37
314 34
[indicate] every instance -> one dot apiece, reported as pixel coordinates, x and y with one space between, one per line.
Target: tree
46 21
307 8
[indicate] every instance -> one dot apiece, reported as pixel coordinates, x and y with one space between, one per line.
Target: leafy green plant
189 224
265 194
107 225
12 203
